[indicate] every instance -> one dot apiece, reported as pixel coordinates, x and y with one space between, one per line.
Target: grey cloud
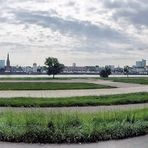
2 1
113 4
118 4
68 27
19 45
71 3
92 9
139 17
134 11
2 19
96 38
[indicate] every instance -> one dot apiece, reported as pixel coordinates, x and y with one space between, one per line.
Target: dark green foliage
126 70
48 86
105 72
53 66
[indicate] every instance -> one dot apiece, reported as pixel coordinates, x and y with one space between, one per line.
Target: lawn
48 86
132 98
50 127
137 80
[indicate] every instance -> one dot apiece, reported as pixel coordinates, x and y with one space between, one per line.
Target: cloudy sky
88 32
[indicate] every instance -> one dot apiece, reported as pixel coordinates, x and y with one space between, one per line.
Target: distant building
141 64
8 67
28 69
74 64
112 67
39 69
17 69
2 64
8 61
35 68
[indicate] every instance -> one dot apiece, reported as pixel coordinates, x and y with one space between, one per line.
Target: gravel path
122 88
72 93
138 142
79 109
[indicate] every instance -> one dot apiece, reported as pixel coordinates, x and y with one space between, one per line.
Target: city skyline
140 67
91 33
7 60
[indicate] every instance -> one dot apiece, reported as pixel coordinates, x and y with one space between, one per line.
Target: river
65 76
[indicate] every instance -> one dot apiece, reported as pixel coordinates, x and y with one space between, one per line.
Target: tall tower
8 61
8 68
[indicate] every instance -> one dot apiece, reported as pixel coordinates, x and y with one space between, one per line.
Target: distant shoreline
68 74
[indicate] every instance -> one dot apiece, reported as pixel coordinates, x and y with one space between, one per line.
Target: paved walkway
122 88
138 142
88 109
72 93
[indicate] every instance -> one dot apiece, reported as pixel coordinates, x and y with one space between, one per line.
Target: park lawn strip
74 127
136 80
48 86
131 98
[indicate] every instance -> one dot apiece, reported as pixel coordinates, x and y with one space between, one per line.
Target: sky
85 32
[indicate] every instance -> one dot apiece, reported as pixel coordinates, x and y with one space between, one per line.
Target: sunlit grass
137 80
131 98
48 86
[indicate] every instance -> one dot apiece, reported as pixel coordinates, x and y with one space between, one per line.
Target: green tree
105 72
53 66
126 70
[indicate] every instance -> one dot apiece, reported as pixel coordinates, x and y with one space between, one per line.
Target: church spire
8 60
8 67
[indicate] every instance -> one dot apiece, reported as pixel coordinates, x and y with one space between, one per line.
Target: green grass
48 86
132 98
137 80
50 127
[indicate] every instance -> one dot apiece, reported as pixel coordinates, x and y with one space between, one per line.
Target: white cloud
86 32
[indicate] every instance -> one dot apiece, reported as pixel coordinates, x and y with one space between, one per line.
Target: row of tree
54 67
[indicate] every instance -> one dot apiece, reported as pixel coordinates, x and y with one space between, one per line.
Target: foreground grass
48 86
132 98
50 127
137 80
